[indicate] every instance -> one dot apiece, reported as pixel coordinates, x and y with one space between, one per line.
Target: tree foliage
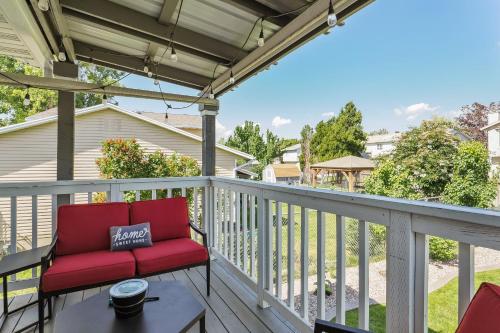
474 117
249 139
379 132
125 158
12 110
470 184
420 165
339 136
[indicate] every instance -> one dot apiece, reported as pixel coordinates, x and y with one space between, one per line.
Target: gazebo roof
346 163
211 38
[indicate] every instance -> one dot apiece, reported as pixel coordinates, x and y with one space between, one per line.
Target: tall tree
474 117
306 136
379 131
99 75
339 136
470 184
12 110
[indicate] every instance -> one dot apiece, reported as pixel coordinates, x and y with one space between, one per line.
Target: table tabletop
20 261
176 311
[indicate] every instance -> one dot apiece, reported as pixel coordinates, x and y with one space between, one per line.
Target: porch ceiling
208 39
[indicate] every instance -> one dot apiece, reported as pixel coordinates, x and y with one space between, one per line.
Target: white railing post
114 193
291 257
252 237
279 250
261 248
304 263
364 269
340 271
400 273
421 282
245 232
465 277
269 246
321 265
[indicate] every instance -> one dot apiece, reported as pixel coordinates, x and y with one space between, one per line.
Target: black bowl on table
127 297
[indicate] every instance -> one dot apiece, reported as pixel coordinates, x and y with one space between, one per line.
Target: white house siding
30 155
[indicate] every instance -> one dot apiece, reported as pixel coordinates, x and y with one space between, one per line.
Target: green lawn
443 307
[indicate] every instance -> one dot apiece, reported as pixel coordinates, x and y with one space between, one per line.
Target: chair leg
208 277
49 304
41 313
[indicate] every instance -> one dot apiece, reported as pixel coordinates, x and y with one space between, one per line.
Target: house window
379 146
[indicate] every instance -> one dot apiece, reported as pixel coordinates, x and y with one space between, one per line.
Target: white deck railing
244 224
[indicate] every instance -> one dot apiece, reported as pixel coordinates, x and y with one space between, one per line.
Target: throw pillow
130 237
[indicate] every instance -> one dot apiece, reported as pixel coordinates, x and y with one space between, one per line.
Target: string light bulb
150 74
156 82
173 55
146 68
332 18
104 99
27 100
231 78
43 5
61 56
261 40
211 95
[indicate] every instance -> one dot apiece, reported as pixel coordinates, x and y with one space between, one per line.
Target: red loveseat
80 258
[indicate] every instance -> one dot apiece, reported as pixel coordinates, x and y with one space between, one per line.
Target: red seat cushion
85 269
169 255
482 315
168 218
85 228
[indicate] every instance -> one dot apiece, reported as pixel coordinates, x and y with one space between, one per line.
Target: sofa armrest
199 231
321 326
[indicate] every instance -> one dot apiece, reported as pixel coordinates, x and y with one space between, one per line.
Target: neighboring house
493 132
380 144
282 173
28 150
291 154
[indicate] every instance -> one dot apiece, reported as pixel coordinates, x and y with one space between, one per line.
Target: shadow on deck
231 307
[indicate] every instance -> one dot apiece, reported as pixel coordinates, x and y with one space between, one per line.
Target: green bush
442 249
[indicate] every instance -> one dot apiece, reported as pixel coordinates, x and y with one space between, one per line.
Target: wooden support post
65 128
208 114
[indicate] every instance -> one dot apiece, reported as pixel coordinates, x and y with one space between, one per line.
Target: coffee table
176 311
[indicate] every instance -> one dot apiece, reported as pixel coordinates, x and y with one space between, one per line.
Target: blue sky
399 61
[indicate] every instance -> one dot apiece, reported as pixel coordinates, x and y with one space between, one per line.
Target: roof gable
100 107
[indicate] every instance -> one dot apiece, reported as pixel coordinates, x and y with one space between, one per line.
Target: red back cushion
482 315
168 218
85 228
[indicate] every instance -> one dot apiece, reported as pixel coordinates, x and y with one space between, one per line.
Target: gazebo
349 166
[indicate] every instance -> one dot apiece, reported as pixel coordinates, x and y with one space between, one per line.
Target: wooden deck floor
230 308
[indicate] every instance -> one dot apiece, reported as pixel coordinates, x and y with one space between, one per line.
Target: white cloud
328 114
221 131
278 121
413 111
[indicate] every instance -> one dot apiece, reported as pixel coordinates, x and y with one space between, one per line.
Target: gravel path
439 275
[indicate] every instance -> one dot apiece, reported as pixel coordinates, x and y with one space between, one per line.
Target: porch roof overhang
210 38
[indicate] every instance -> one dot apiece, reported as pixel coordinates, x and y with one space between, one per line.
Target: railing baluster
238 226
169 192
153 194
465 277
252 237
138 195
321 265
364 256
34 227
54 214
421 282
196 221
245 233
231 226
183 192
227 206
72 198
13 225
89 197
262 206
304 263
340 271
279 250
291 257
269 246
220 232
